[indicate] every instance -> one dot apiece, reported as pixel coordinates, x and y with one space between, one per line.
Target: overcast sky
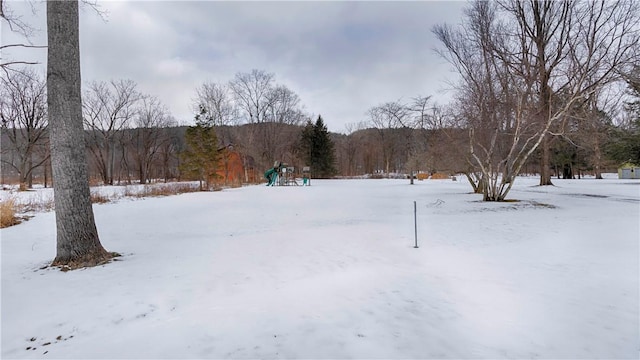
341 58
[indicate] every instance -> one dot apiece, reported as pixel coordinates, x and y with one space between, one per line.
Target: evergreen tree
318 149
624 144
306 143
201 158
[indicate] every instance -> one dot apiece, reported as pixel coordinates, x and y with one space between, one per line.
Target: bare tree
271 110
437 140
544 33
108 109
78 244
170 151
253 94
526 65
23 116
149 134
487 101
399 115
385 118
350 146
214 104
279 133
284 107
571 50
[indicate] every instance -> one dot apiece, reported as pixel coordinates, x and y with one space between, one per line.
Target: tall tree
78 244
253 94
571 50
317 149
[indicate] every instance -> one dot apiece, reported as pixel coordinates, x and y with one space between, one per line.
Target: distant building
235 167
629 171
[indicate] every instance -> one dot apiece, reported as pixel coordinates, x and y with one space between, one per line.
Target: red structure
235 168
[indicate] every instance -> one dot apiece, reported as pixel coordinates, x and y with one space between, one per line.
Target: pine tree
201 158
306 143
318 149
624 142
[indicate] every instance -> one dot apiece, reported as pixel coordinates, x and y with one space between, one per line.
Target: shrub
37 202
8 210
440 176
97 198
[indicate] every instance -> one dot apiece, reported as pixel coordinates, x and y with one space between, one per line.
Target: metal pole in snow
415 223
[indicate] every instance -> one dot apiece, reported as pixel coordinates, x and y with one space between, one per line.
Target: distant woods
546 88
131 137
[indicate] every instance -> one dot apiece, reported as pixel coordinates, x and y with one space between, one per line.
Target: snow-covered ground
330 271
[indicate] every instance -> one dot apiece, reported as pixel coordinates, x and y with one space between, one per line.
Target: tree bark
597 158
78 244
545 162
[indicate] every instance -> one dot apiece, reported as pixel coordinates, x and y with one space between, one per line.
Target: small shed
629 171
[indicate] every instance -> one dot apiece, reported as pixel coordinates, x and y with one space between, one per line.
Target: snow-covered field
330 271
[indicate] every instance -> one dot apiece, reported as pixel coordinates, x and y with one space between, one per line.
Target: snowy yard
330 271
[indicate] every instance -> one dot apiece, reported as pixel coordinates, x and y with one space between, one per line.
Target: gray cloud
340 57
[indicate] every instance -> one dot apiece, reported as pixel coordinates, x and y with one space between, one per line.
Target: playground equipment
306 176
282 174
272 174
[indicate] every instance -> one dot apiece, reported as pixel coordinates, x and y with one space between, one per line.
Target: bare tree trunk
112 161
77 237
46 174
30 173
597 158
545 162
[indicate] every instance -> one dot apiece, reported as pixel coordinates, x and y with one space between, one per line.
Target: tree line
132 138
545 87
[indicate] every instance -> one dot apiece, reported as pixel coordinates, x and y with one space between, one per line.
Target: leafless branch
7 64
24 46
15 22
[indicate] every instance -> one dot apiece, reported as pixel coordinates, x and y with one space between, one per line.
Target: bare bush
98 198
8 213
161 190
